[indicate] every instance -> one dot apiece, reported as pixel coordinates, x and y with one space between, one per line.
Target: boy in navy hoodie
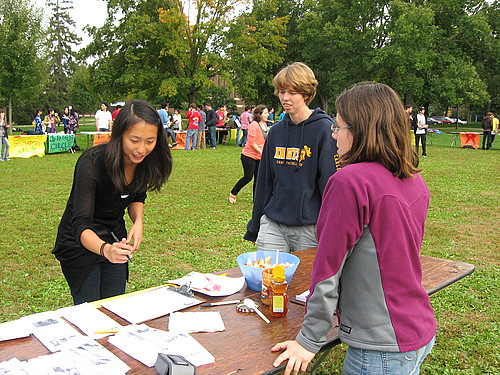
298 159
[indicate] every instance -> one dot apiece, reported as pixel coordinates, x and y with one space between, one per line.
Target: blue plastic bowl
253 275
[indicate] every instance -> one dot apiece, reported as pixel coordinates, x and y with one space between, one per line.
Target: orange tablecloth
101 138
470 139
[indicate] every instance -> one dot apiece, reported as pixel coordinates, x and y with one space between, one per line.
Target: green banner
59 142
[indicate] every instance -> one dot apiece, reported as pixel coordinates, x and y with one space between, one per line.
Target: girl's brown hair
257 112
375 113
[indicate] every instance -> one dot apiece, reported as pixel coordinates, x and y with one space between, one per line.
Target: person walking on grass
487 125
252 152
4 137
421 131
367 268
92 243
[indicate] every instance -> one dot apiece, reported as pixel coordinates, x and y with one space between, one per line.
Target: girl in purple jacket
370 230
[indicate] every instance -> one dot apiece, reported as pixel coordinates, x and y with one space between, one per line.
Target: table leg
454 140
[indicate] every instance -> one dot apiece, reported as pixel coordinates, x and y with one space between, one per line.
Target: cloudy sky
85 12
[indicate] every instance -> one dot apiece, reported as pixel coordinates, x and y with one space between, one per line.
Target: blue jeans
243 140
191 135
212 136
6 146
170 133
105 280
373 362
238 134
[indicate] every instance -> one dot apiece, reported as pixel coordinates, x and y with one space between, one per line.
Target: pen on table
117 240
220 303
104 332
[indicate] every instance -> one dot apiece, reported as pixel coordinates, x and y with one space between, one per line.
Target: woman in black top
108 179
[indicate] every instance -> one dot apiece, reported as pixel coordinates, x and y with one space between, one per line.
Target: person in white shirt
103 119
421 131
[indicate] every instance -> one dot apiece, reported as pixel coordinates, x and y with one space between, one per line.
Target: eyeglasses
336 128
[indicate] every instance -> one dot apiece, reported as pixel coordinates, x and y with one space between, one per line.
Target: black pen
117 240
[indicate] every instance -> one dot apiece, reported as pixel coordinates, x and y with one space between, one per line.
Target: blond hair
298 77
375 113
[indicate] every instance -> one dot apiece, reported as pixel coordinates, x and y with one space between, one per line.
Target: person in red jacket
192 131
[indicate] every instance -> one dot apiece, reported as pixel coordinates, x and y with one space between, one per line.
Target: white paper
149 305
89 319
144 343
210 284
56 363
302 296
84 356
190 322
12 367
14 330
51 330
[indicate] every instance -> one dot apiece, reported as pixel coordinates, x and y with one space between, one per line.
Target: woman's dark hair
379 127
36 112
155 169
257 112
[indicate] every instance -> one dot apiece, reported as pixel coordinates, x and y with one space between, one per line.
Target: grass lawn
190 225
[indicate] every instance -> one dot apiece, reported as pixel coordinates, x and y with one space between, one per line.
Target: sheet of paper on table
51 330
149 305
83 356
210 284
144 343
89 319
190 322
12 366
302 297
14 330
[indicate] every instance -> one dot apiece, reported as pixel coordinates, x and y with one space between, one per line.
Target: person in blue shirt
38 122
165 120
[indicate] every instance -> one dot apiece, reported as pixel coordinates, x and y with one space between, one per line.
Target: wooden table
245 346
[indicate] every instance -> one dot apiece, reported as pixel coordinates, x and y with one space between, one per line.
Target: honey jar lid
279 273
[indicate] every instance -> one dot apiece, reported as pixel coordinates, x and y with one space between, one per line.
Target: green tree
158 49
81 93
256 46
61 57
22 70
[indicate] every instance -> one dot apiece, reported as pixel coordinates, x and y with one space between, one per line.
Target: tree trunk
9 120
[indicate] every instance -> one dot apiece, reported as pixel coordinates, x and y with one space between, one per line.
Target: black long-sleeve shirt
95 204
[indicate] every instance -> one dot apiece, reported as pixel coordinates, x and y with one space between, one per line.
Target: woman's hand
118 252
135 235
298 357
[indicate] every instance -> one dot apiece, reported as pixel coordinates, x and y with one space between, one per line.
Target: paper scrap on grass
51 330
144 343
150 305
89 319
15 329
210 284
190 322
